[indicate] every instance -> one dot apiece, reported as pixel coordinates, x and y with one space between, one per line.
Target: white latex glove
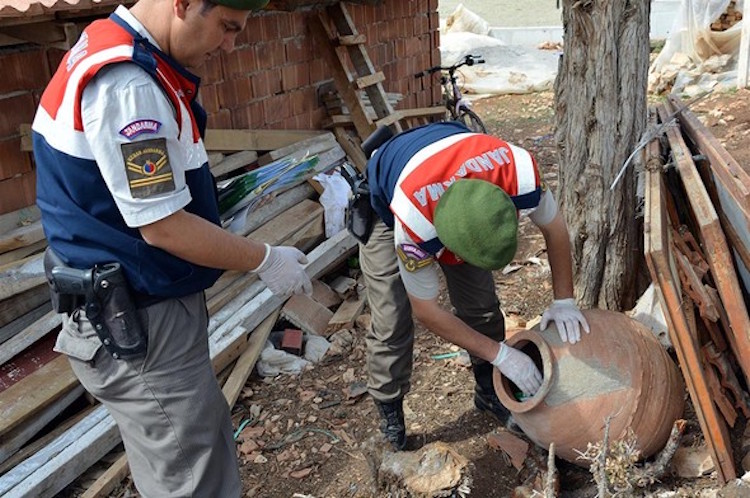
519 368
568 319
282 271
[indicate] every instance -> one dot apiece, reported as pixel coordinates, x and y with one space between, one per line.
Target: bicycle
458 107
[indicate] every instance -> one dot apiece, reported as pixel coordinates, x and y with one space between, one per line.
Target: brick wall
271 80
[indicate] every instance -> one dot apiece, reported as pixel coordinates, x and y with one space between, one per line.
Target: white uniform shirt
123 104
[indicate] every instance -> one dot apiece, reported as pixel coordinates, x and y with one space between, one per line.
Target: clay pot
619 370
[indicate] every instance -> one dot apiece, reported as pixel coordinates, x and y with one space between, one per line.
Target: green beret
242 4
478 222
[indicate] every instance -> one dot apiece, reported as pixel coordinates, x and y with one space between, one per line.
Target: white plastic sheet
696 59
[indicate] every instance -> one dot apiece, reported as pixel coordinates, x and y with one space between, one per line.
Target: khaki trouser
390 339
172 416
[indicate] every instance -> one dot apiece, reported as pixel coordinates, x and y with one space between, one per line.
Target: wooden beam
346 314
21 236
246 362
238 140
36 391
233 162
314 145
663 272
107 482
21 276
56 465
31 334
716 248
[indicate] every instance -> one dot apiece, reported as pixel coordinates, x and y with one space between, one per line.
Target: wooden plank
307 314
341 77
353 149
22 252
56 465
236 282
53 467
363 66
30 396
346 314
14 440
21 276
31 334
14 328
107 482
345 40
323 294
314 145
369 80
716 248
233 162
19 218
31 448
28 362
20 304
728 172
662 271
21 237
238 140
246 362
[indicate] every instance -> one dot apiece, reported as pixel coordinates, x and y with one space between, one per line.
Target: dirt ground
306 436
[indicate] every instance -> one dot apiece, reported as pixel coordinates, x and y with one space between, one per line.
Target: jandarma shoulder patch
413 257
148 169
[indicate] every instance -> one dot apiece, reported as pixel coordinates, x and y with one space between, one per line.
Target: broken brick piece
291 342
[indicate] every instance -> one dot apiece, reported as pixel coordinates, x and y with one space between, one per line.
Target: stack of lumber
50 431
697 245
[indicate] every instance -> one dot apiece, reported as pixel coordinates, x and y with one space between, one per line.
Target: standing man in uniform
450 198
128 202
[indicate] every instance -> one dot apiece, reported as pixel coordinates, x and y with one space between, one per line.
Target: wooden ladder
343 47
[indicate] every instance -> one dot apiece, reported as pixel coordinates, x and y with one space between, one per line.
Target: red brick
234 93
220 120
297 50
270 27
17 192
319 71
253 32
276 109
12 160
286 25
23 71
250 116
209 98
239 63
14 111
261 85
212 70
295 76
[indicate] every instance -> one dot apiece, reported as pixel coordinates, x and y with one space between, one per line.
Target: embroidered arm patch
148 169
413 257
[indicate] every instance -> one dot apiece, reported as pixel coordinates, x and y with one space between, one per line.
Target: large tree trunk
601 113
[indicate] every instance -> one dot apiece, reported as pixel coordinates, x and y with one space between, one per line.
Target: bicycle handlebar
468 60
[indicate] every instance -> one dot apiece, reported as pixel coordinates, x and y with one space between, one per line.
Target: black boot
485 398
392 423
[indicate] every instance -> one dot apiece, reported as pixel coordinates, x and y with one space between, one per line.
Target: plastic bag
334 199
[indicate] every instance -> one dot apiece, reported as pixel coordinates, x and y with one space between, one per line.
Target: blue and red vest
408 174
80 218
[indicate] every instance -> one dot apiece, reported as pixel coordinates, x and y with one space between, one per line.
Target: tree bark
601 114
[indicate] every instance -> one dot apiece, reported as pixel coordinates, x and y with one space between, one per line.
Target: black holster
360 217
105 295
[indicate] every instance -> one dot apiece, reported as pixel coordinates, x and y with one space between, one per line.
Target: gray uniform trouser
173 419
390 339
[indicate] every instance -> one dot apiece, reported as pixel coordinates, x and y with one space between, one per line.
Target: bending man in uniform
123 179
450 198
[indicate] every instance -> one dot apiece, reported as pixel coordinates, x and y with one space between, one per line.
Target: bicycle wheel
471 120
